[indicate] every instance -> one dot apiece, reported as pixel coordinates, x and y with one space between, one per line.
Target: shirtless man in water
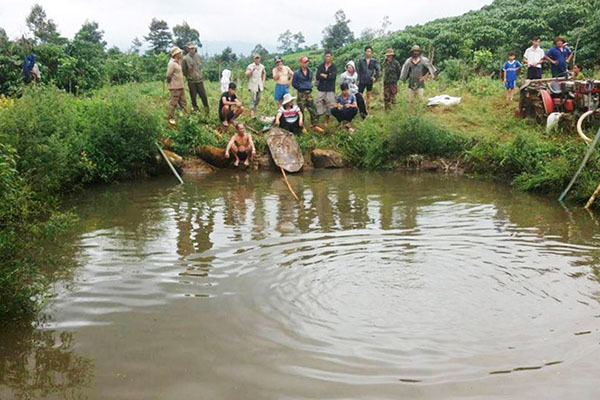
242 146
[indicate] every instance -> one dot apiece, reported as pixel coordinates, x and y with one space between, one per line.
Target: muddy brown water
374 286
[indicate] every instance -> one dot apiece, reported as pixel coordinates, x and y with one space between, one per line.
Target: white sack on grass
443 100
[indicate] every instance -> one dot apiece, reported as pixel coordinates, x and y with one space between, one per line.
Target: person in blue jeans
559 56
511 70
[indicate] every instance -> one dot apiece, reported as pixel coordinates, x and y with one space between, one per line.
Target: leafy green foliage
159 36
337 35
418 135
185 34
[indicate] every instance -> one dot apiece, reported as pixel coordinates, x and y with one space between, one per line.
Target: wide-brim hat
175 50
390 52
416 49
287 98
191 45
256 56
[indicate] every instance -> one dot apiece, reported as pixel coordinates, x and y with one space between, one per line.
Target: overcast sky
255 21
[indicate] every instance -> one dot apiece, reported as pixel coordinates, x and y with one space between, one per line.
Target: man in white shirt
534 57
256 82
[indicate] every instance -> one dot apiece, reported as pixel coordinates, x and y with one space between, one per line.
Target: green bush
369 146
50 142
417 135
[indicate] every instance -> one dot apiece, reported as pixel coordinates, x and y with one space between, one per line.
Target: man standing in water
242 146
256 75
391 75
326 75
368 73
192 69
175 84
416 70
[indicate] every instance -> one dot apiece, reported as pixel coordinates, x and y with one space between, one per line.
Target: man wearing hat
391 75
282 75
192 69
416 70
256 75
302 82
175 84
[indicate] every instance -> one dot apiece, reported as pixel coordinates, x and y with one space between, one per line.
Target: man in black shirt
229 105
325 77
368 72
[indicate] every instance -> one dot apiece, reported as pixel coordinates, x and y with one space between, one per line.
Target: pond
373 286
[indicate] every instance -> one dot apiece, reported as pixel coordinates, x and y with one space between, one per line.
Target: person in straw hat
416 70
391 75
192 70
175 84
289 116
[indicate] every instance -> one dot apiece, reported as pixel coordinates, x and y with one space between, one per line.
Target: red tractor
564 101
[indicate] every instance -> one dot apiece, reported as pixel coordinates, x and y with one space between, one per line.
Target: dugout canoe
284 149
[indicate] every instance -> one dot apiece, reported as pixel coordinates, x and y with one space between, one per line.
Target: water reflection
371 280
39 364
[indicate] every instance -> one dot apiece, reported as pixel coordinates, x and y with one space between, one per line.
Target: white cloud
255 21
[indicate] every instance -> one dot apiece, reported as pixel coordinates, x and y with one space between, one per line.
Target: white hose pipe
580 125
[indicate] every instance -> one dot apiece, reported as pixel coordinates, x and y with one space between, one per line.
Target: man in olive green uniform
192 69
391 75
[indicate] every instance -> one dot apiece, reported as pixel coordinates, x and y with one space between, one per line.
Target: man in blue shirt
559 56
511 69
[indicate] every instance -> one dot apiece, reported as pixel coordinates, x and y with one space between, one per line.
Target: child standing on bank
511 70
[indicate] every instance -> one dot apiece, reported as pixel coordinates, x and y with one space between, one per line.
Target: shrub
416 135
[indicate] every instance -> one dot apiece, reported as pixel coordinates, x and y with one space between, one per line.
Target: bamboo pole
288 184
592 198
169 163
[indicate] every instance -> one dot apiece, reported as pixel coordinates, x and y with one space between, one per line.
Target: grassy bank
52 143
482 131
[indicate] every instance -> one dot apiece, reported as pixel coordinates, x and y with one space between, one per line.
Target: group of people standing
350 101
354 82
558 56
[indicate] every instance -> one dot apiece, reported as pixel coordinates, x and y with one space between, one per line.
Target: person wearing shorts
368 72
511 69
325 76
282 75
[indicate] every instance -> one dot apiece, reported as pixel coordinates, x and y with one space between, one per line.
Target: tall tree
43 29
385 24
227 56
184 34
90 32
159 36
285 41
136 45
338 34
259 49
298 40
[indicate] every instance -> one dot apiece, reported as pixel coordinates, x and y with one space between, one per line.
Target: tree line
477 41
